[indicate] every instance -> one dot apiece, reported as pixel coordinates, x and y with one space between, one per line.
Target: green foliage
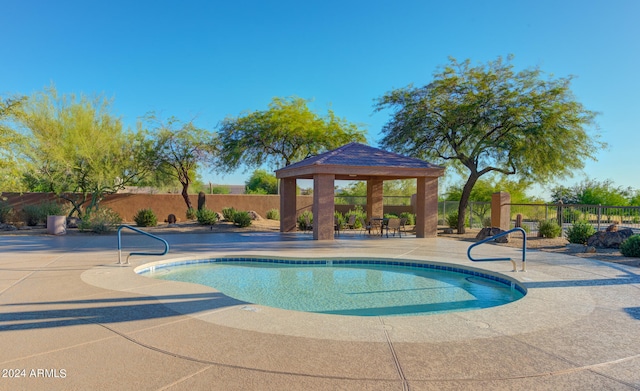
220 190
242 219
228 213
78 150
191 214
491 119
145 218
285 133
101 220
452 220
549 229
5 211
570 215
580 231
486 222
180 147
12 143
273 214
359 213
592 192
37 213
261 182
302 224
631 247
206 216
411 218
340 219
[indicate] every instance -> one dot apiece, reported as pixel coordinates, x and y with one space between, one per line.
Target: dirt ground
557 245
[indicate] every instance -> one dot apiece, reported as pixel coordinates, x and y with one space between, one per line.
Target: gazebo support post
323 206
375 206
288 206
427 207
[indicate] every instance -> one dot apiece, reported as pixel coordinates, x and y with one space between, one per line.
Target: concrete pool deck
70 318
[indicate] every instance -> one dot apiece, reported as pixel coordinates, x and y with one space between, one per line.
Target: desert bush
360 215
486 222
5 211
273 214
37 213
411 218
631 247
228 213
452 220
580 231
549 229
302 225
191 214
206 216
242 219
100 220
145 218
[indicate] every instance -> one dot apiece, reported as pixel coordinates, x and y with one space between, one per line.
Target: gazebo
358 162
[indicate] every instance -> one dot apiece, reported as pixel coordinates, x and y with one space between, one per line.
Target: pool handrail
501 234
166 244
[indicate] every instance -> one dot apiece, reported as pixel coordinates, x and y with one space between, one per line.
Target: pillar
375 207
323 206
426 207
288 205
501 210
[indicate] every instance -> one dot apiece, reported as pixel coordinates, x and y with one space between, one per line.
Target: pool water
357 290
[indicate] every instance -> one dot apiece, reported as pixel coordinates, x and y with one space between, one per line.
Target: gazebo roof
357 161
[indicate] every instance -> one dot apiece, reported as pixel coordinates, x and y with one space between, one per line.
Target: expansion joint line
405 383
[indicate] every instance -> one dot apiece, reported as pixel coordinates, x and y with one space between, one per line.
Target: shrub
191 214
549 228
242 219
302 225
37 213
360 215
145 218
5 211
580 231
206 216
99 221
452 220
228 213
411 218
340 219
273 214
631 247
486 222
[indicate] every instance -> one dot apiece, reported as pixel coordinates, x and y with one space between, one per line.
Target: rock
612 228
171 219
590 250
492 231
604 239
7 227
574 248
72 222
448 231
254 215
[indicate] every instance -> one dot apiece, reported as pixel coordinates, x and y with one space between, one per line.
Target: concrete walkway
71 319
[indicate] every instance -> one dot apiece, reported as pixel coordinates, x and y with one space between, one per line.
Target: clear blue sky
212 59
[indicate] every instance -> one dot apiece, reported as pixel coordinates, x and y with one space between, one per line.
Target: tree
261 182
490 119
592 192
180 148
11 143
78 150
285 133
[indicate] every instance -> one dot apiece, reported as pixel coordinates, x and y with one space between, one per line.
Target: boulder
171 219
612 239
7 227
254 215
492 231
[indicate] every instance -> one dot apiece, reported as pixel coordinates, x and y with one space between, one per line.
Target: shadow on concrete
111 310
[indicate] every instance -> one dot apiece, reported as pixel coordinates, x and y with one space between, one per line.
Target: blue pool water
359 289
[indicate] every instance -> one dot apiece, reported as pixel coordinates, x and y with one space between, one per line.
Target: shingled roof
356 161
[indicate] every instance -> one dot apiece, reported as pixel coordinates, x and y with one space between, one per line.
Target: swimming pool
356 287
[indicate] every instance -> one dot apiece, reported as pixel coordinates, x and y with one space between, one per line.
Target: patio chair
336 225
351 223
403 223
394 224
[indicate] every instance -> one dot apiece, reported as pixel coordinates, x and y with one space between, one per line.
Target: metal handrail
524 249
166 244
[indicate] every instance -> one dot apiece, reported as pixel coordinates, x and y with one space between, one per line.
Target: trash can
56 225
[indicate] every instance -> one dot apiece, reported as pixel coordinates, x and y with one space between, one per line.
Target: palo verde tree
285 133
78 149
11 144
490 119
181 148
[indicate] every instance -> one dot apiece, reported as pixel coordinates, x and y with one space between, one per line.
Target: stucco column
426 207
375 207
501 210
323 206
287 204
